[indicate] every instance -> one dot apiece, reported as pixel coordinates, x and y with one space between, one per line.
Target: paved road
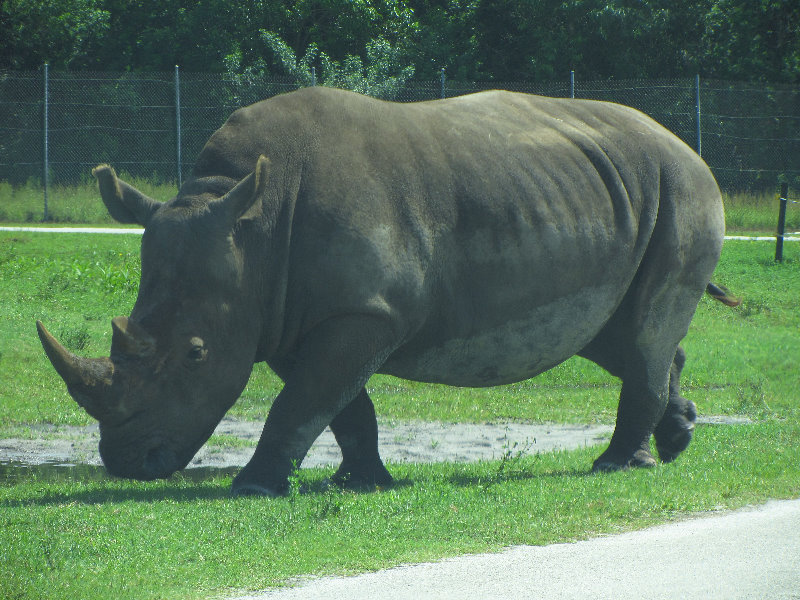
752 553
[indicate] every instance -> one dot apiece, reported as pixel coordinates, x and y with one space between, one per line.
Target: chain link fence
54 127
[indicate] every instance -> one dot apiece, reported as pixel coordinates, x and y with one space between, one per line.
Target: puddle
12 473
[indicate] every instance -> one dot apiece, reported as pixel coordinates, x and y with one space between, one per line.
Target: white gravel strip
75 230
790 238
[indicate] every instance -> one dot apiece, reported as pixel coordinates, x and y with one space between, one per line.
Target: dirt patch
421 442
399 442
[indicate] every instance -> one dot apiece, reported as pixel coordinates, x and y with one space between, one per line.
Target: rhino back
491 229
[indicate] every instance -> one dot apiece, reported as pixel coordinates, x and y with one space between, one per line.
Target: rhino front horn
88 379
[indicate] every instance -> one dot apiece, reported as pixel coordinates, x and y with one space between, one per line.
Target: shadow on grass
59 483
490 479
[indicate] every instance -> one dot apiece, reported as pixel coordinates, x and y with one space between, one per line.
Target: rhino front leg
356 432
322 378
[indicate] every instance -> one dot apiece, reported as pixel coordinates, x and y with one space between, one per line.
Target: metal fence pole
46 149
784 199
313 77
442 92
697 114
572 84
178 123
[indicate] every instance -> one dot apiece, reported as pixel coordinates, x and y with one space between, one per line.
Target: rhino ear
244 201
125 203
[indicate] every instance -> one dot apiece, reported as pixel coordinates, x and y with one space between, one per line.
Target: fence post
313 77
572 84
697 114
178 123
784 199
46 149
441 83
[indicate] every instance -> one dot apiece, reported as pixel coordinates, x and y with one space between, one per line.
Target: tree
445 38
752 40
65 33
497 40
381 74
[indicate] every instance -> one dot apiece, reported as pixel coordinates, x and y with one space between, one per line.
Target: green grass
740 360
758 213
81 534
80 204
67 204
181 538
73 282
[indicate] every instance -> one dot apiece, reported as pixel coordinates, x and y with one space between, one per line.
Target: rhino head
182 358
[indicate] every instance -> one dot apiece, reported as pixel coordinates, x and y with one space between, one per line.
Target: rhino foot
250 489
608 461
359 477
675 431
254 482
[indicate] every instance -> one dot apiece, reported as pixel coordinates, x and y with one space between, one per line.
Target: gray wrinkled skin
472 241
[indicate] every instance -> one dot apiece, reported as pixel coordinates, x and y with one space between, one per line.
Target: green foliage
759 39
632 39
501 40
66 33
380 75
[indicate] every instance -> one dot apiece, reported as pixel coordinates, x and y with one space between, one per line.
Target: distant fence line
55 126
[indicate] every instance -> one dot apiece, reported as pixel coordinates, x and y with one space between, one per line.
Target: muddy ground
399 442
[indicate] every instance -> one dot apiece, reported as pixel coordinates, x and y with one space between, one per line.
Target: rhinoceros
472 241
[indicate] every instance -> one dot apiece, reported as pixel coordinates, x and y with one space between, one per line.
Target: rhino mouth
158 462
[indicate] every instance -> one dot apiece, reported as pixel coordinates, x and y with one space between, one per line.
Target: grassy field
188 539
84 535
81 205
66 204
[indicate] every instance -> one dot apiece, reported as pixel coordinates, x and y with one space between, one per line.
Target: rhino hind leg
673 433
675 430
356 432
650 367
630 443
639 407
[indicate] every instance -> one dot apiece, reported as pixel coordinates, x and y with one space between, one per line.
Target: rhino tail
723 294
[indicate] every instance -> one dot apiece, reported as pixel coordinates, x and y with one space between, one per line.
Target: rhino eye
198 352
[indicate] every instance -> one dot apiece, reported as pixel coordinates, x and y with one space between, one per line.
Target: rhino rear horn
130 339
88 379
125 203
244 200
